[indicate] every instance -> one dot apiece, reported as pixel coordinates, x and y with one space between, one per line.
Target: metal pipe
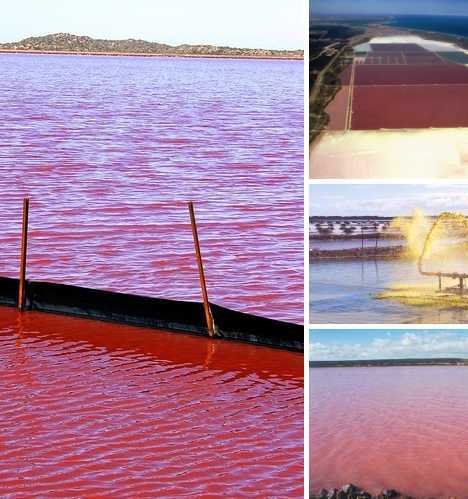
23 256
201 272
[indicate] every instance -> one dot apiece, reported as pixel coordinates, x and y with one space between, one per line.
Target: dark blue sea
453 25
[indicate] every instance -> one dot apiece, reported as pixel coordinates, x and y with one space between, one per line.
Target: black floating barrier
156 313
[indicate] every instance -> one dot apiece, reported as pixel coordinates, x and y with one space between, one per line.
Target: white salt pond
403 153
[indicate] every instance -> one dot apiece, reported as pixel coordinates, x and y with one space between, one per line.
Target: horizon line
377 14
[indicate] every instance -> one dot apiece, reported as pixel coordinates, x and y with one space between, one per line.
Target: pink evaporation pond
92 409
337 109
410 106
391 427
110 149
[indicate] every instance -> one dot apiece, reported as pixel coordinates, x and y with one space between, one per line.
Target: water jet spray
443 218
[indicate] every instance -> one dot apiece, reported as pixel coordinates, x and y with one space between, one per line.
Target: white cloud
406 345
374 201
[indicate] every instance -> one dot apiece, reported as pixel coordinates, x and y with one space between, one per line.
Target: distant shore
355 235
389 362
69 44
368 252
143 54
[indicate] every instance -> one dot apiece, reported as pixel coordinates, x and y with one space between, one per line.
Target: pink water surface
95 410
110 149
403 428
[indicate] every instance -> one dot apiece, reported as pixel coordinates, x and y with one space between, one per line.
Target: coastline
358 253
143 54
454 362
441 36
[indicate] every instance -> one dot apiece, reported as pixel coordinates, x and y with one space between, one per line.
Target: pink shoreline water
111 149
91 409
380 428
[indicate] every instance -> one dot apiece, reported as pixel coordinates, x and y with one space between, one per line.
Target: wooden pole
201 272
23 256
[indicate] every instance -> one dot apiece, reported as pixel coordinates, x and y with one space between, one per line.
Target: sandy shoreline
142 54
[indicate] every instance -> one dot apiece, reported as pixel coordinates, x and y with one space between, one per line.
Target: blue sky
386 199
421 7
350 344
277 24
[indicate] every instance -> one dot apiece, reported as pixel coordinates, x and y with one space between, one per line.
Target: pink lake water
394 427
110 149
96 410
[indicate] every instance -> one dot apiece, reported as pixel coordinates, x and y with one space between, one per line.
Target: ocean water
453 25
110 149
391 427
92 409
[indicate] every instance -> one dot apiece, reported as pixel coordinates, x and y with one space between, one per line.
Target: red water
110 149
411 74
91 409
402 428
337 109
410 106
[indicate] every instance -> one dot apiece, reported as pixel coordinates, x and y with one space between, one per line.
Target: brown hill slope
64 42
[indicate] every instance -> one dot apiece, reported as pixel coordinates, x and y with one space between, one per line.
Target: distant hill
66 43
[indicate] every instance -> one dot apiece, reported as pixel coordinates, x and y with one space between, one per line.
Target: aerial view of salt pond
151 174
388 97
387 413
388 254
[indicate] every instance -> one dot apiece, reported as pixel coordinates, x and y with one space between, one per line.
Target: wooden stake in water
23 256
201 272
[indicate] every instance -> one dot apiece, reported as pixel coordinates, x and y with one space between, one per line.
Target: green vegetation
64 42
328 88
330 52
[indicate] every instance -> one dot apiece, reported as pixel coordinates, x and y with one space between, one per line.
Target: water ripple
100 410
111 149
383 428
